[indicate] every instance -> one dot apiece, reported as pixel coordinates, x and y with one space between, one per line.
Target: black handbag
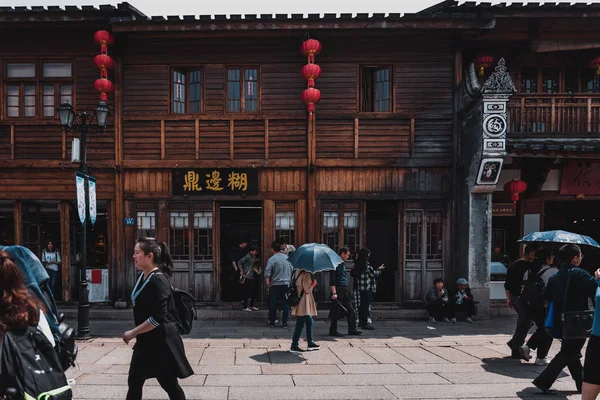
576 324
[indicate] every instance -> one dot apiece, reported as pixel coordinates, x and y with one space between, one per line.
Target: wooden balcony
541 115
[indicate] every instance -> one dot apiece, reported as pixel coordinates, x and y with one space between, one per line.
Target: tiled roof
514 8
50 13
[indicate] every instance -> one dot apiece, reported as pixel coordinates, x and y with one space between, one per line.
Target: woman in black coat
158 352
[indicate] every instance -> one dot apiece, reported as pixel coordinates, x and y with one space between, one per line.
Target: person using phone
367 285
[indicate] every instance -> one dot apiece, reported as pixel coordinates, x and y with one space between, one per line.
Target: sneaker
284 325
296 349
542 361
368 327
247 309
354 333
335 334
432 320
525 352
254 308
446 320
453 320
369 321
313 346
469 320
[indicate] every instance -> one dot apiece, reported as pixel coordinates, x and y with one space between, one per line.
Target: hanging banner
80 183
92 198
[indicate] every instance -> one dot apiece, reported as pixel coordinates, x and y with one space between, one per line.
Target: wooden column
12 142
231 139
268 228
197 134
128 275
311 195
163 148
162 220
18 223
65 250
118 250
217 249
300 226
266 139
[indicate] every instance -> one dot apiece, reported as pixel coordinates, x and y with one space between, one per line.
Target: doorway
382 240
238 221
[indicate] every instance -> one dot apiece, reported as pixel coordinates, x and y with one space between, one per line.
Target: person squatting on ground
246 269
304 311
341 298
278 275
580 286
438 302
462 301
158 351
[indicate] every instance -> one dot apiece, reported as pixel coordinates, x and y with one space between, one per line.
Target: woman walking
304 311
367 285
158 352
52 262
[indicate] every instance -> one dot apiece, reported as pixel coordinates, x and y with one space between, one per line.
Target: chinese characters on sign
581 177
217 181
503 210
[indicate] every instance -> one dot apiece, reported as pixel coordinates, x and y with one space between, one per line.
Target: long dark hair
18 307
162 256
362 260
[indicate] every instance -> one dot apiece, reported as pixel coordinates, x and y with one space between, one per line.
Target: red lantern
310 97
310 72
515 187
104 39
103 86
104 61
310 48
482 62
595 63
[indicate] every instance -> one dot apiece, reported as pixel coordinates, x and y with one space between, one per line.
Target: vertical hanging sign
80 183
92 198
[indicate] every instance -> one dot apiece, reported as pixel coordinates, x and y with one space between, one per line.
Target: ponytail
162 256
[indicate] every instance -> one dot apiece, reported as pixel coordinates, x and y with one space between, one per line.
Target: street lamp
81 123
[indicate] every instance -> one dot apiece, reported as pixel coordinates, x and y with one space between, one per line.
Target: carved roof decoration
500 81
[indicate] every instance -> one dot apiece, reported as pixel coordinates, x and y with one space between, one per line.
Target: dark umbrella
314 257
559 237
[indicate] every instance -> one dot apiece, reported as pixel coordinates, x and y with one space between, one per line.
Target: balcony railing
554 114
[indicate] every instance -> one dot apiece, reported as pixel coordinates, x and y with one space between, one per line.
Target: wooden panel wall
335 138
180 140
383 138
287 139
5 142
141 140
214 140
40 142
147 181
145 89
281 88
433 138
249 140
282 180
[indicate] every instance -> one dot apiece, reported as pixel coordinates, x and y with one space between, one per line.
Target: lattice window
413 233
146 224
203 240
529 80
590 81
352 230
285 226
550 78
195 91
376 89
331 225
179 241
243 90
187 91
434 235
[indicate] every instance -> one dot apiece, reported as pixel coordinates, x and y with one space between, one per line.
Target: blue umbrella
559 237
314 257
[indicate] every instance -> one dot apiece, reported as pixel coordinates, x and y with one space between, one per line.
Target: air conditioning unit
75 151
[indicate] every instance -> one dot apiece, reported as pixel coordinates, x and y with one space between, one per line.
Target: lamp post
81 123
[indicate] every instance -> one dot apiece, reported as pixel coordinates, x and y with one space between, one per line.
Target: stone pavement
399 360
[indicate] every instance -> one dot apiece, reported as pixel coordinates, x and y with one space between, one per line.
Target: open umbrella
314 257
563 237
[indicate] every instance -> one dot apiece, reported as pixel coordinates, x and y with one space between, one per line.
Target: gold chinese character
191 182
238 181
214 181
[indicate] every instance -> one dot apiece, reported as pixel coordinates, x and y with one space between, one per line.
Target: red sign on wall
581 177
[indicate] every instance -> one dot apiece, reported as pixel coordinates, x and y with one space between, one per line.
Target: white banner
92 198
80 183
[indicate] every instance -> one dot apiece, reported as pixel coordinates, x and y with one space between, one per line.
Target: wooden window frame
376 67
561 80
343 207
242 69
286 208
186 70
39 81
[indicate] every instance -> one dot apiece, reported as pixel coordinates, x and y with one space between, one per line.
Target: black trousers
568 356
343 296
524 321
248 290
167 382
540 339
439 309
467 306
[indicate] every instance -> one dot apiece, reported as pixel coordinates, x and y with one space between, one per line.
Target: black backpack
30 367
185 310
533 289
292 297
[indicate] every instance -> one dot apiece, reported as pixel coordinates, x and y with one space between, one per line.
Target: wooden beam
163 221
161 164
216 248
197 132
118 113
55 164
12 142
231 139
18 223
355 137
64 145
163 149
412 136
545 46
266 139
65 243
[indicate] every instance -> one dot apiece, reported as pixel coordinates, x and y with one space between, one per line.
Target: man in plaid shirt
365 286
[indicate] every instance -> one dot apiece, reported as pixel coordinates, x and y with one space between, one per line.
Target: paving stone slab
420 356
385 355
480 352
369 379
110 392
250 380
218 356
252 356
82 369
371 369
353 356
301 369
91 354
315 392
464 391
121 380
525 377
117 355
323 356
453 355
447 367
227 370
281 356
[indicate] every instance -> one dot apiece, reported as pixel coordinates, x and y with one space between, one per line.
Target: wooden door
423 255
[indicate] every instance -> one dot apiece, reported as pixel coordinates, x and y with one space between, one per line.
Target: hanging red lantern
104 39
515 187
310 48
482 62
104 61
310 97
311 72
104 86
595 63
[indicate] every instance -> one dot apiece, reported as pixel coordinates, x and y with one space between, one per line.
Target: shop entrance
382 240
581 217
238 221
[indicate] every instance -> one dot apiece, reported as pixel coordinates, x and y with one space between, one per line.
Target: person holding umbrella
306 261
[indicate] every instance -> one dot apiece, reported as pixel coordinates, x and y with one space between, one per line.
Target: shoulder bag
576 324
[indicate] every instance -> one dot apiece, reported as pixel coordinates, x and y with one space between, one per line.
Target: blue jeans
298 330
53 279
277 293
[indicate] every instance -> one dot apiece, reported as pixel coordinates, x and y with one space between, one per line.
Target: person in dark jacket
462 301
581 286
158 352
340 297
438 302
514 286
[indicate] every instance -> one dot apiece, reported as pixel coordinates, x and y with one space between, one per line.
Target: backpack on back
185 310
32 367
292 297
533 290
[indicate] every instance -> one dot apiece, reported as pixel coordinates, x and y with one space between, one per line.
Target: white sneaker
453 320
542 361
247 309
469 320
432 320
525 352
254 308
369 321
